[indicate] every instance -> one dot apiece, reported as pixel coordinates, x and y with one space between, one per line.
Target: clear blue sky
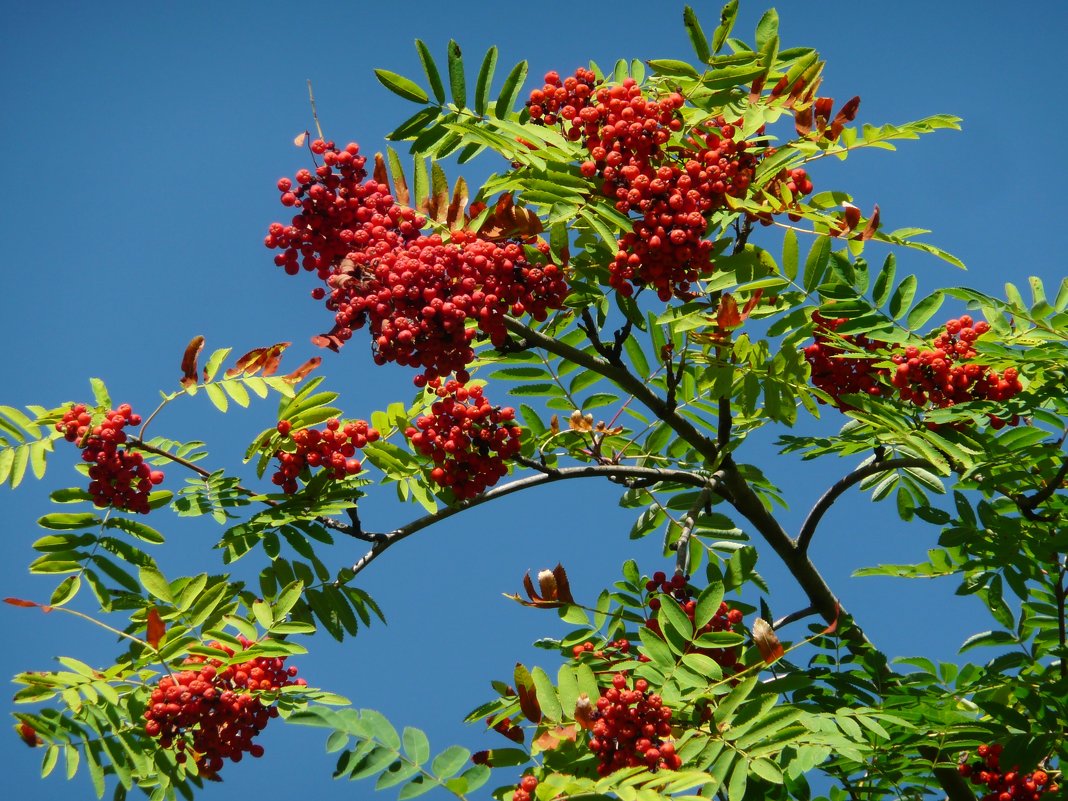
141 144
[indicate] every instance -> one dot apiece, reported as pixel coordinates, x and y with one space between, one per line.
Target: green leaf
726 23
456 75
100 393
61 521
66 590
902 297
449 761
153 581
401 86
790 255
431 69
485 79
217 397
816 263
697 36
416 745
512 86
925 310
767 28
884 281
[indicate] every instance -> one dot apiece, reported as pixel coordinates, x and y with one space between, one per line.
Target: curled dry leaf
300 138
553 738
766 641
189 361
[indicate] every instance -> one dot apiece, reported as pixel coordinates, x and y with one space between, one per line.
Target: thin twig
315 114
808 528
547 475
793 617
682 553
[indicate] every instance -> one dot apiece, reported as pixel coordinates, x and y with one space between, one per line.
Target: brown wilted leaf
831 629
300 138
803 121
584 710
580 422
301 372
553 591
553 738
528 699
872 226
380 174
455 218
438 202
265 359
189 361
766 641
846 113
328 340
554 424
155 628
508 221
21 602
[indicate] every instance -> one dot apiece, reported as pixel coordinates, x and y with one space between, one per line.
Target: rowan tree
652 279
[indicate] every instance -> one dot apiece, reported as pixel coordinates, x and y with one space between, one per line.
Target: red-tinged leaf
727 316
300 138
768 644
822 111
528 585
257 359
846 113
831 629
327 341
301 372
750 304
455 216
851 216
872 226
438 202
528 698
189 361
20 602
553 738
381 174
563 587
29 735
584 709
155 627
803 121
757 88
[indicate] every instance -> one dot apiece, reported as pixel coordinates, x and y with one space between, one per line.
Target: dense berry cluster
422 299
1011 785
209 712
837 374
467 438
118 477
526 788
941 376
673 188
676 590
631 727
333 448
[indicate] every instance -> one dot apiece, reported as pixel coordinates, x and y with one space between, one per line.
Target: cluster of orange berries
416 293
941 376
1008 786
210 713
466 437
673 189
333 448
118 477
630 728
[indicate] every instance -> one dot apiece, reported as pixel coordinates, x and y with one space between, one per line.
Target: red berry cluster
420 297
415 293
467 438
942 375
209 712
725 618
839 375
674 189
333 448
526 788
1009 786
118 477
631 727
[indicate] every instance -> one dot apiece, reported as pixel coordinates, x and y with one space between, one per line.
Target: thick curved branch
623 379
1029 502
808 528
547 475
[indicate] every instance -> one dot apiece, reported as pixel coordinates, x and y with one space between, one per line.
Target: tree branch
548 475
682 547
808 528
1029 502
